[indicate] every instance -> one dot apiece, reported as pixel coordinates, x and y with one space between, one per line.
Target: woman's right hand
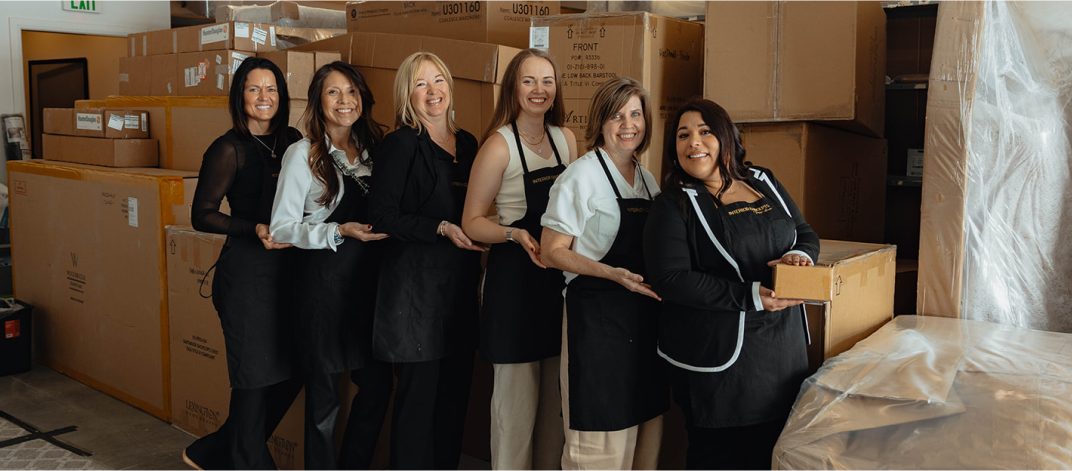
632 282
528 242
771 303
458 237
359 231
266 238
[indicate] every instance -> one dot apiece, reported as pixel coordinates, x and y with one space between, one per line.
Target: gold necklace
270 149
529 138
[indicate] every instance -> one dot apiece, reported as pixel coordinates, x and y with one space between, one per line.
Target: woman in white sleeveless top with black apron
737 354
614 387
525 150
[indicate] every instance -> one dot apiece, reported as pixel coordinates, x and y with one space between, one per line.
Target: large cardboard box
184 126
111 123
477 69
505 23
798 61
99 151
237 35
209 73
853 284
200 390
323 58
164 80
340 44
837 178
88 252
135 76
298 69
664 54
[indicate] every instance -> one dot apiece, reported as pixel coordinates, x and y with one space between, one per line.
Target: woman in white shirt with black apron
736 353
321 201
614 388
525 149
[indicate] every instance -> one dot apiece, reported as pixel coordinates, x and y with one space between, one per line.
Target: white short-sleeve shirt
583 204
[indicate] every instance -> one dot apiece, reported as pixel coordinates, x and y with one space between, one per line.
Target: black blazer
426 303
702 294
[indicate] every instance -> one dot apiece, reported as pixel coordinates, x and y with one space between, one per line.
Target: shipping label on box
496 22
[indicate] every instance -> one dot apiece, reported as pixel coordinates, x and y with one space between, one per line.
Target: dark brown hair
608 99
236 101
731 163
507 109
369 133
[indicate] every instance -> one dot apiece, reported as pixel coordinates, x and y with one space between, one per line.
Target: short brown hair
608 99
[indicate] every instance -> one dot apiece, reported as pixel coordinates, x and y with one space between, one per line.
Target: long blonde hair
406 81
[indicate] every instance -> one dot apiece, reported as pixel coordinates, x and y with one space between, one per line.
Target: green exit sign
88 7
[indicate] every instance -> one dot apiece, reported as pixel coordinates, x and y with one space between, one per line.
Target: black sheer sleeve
218 170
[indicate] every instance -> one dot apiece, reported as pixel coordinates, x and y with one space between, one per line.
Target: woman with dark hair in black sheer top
243 166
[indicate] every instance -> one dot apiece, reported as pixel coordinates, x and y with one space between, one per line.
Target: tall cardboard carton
165 75
852 285
798 61
664 54
496 22
200 390
322 58
135 75
297 68
836 178
88 245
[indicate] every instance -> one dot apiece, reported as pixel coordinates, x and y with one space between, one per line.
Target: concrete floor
119 435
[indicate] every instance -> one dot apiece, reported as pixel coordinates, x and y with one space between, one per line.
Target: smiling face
624 131
698 150
431 94
340 101
536 86
261 100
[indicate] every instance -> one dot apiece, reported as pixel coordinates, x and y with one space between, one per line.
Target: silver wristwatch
509 234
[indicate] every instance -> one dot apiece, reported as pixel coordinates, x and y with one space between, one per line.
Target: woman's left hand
794 259
362 232
266 238
528 242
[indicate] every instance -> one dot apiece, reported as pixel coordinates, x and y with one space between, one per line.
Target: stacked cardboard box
89 245
806 66
111 137
664 54
504 23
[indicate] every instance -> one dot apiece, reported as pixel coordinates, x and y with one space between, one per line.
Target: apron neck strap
606 170
521 147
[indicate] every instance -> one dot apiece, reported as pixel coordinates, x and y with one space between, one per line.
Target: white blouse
296 216
583 204
510 201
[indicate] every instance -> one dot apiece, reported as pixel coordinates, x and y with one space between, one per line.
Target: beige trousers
636 447
526 430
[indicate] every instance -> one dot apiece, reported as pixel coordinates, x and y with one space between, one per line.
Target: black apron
763 383
427 300
616 378
336 293
252 299
521 319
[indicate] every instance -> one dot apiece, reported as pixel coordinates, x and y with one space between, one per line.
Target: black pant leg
452 402
375 383
280 397
412 443
321 412
248 448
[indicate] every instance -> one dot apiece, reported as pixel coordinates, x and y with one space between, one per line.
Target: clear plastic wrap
937 393
282 13
998 166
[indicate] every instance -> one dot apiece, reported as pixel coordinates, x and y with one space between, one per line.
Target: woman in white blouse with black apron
737 354
525 149
614 388
321 201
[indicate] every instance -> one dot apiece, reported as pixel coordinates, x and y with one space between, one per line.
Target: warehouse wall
115 19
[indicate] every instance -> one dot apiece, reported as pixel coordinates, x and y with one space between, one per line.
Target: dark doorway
55 83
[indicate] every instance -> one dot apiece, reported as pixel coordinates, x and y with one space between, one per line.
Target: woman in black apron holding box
737 354
524 151
614 388
321 206
249 291
426 305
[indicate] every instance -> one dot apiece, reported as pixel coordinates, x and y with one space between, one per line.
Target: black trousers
429 412
241 442
367 412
